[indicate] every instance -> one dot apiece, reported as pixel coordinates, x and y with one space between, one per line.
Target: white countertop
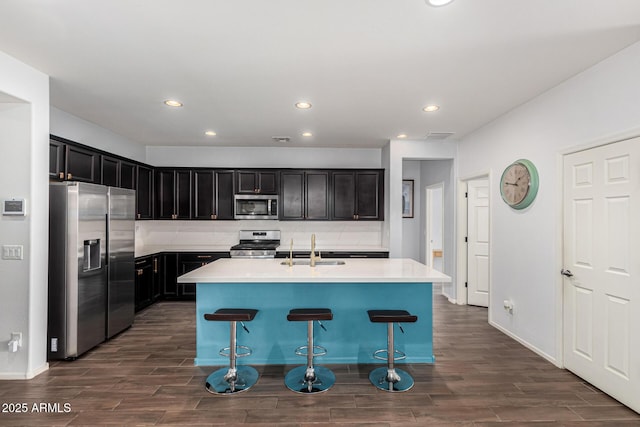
154 249
363 270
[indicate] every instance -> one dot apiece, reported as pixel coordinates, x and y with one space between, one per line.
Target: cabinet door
56 159
156 288
224 194
110 171
182 209
81 165
143 283
268 182
344 195
317 195
164 193
144 192
292 195
247 182
204 194
369 195
170 275
127 175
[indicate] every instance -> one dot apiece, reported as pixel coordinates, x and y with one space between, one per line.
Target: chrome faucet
313 257
290 259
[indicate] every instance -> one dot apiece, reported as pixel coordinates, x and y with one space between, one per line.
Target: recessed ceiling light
438 2
303 105
402 135
210 133
173 103
307 134
431 108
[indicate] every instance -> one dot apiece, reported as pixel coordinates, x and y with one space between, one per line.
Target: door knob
566 273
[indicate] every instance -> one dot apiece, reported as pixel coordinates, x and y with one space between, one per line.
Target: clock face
519 184
515 184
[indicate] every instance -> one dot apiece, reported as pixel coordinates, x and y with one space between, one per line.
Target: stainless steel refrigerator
91 266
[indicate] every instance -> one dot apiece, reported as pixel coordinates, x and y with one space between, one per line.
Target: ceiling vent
281 138
437 136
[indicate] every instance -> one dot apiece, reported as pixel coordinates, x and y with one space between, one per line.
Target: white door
601 288
478 242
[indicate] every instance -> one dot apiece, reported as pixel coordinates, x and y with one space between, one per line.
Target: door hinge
466 239
466 195
466 284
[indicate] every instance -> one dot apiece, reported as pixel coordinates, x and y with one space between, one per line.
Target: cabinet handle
155 265
214 216
69 176
140 262
61 175
138 215
140 272
203 256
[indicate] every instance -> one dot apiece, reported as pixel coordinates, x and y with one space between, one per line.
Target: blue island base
350 337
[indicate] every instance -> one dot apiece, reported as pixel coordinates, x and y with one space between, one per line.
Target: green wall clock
519 184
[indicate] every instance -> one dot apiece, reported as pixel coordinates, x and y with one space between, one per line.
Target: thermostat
16 207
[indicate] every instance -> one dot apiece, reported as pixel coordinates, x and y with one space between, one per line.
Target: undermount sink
318 262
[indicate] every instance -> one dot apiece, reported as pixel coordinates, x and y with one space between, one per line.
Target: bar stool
310 378
234 379
391 378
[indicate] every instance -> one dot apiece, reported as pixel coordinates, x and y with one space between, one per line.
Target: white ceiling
367 66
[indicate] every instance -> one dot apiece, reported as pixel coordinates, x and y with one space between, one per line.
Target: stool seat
391 378
310 378
307 314
234 379
232 314
393 316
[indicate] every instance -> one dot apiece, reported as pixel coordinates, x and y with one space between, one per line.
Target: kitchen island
348 289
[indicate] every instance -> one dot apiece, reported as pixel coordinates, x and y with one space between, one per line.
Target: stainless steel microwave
255 206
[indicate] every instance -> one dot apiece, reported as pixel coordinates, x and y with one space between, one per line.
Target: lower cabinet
190 261
143 282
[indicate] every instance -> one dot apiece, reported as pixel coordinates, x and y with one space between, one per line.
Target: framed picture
407 198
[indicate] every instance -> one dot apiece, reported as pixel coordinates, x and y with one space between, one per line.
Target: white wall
599 104
264 157
412 234
76 129
24 141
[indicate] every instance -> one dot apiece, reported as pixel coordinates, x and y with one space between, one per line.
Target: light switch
12 252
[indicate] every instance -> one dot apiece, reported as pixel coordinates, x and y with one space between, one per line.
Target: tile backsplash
350 235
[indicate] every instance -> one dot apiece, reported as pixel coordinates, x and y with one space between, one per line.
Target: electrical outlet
12 252
17 336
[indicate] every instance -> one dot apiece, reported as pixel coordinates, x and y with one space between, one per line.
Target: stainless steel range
256 244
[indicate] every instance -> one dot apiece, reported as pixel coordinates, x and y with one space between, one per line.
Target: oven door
250 206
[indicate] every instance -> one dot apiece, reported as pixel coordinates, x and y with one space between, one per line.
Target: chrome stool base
394 380
304 380
225 381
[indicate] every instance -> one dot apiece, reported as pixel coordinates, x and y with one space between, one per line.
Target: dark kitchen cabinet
172 193
357 195
169 272
127 175
212 194
304 194
56 159
144 192
190 261
143 282
158 277
81 164
257 182
109 171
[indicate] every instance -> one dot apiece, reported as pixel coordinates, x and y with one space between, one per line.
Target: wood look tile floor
145 376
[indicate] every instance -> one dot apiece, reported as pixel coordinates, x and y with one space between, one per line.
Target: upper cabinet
304 194
127 177
69 162
172 194
257 182
144 192
357 195
56 159
110 171
212 196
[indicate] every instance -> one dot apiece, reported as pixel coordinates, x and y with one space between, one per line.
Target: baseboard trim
24 376
531 347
